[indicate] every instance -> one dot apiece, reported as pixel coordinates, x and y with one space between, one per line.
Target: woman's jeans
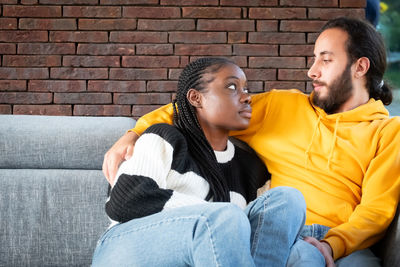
211 234
304 254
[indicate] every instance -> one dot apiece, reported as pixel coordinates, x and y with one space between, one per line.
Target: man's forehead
330 42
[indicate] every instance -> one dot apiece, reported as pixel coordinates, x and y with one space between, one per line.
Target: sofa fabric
53 191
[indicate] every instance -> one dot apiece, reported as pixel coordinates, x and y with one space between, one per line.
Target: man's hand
120 151
324 248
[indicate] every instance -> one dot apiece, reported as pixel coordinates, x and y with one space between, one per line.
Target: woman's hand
120 151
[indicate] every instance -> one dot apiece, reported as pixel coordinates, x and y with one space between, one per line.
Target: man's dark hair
365 41
185 119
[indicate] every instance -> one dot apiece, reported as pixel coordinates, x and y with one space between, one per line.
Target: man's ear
361 67
194 97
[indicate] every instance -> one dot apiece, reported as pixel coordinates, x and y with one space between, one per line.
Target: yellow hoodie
347 165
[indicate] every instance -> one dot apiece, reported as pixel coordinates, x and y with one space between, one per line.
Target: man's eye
245 90
232 86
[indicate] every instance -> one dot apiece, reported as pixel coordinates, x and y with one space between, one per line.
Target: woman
170 202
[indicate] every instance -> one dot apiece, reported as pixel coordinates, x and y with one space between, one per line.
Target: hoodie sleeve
380 196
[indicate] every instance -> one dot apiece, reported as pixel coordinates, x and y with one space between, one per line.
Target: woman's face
225 102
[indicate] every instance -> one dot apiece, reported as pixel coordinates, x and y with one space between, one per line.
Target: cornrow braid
186 120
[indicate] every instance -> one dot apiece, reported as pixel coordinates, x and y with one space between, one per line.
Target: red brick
82 98
8 1
29 2
46 49
277 13
255 87
106 49
212 12
12 85
260 74
284 85
353 3
70 2
237 37
23 36
8 23
292 74
5 109
151 12
310 61
267 25
138 37
47 24
189 3
154 49
78 37
296 50
309 3
255 50
54 110
128 2
57 86
142 98
301 25
225 25
309 87
150 61
330 13
117 86
79 73
241 61
25 97
184 60
138 74
8 49
249 3
91 61
33 61
312 37
32 11
162 86
24 73
211 49
107 24
277 62
92 11
276 38
197 37
140 110
173 74
102 110
166 25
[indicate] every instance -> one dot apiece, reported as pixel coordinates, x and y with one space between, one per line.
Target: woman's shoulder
166 131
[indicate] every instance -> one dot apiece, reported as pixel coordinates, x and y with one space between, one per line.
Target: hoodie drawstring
312 140
333 142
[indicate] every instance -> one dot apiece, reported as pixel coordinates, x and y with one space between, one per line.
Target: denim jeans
303 253
211 234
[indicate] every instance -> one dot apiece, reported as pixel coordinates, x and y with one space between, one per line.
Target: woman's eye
232 86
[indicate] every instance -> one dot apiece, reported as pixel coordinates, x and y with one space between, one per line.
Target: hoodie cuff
337 246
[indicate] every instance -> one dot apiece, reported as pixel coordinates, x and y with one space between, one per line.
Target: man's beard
338 92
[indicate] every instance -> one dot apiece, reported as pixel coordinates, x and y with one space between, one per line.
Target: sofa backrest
52 189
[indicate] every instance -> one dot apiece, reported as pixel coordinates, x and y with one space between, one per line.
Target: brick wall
123 57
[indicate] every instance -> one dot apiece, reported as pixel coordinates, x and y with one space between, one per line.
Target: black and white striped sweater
162 175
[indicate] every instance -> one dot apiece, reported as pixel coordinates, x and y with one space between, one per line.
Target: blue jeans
211 234
303 253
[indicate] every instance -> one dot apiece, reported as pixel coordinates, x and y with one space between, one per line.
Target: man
338 146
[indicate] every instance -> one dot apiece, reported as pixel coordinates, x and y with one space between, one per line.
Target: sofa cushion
51 217
50 142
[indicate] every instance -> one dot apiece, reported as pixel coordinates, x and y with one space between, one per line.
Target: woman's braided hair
186 120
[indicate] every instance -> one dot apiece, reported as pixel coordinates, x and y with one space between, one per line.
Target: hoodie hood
372 110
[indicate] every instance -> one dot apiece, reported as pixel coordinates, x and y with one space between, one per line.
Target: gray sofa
52 190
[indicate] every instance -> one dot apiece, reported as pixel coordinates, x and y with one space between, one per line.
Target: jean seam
212 242
260 221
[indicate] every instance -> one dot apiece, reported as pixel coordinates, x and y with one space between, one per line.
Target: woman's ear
194 97
362 67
